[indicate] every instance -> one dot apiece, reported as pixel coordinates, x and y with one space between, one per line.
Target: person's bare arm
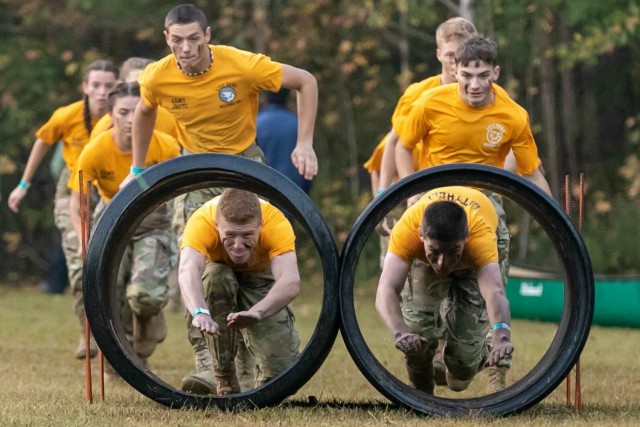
394 274
492 290
285 288
305 84
510 163
190 281
538 179
144 120
38 151
375 181
404 160
404 163
388 169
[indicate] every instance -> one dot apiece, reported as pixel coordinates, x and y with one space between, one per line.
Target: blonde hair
133 63
455 29
239 207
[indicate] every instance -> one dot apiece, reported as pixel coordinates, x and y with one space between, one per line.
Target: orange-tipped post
87 331
567 209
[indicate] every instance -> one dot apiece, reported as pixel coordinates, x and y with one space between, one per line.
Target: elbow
294 289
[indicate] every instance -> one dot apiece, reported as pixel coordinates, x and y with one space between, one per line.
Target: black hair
185 14
477 49
444 221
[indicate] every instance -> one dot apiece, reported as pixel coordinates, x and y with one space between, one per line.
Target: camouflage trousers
142 281
70 241
502 234
184 206
273 342
450 308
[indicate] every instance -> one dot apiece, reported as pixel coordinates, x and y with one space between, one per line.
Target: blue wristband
136 171
200 310
24 185
501 325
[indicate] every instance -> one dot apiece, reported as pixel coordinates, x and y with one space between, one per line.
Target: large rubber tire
574 326
159 184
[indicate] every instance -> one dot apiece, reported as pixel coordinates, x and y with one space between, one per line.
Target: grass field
42 384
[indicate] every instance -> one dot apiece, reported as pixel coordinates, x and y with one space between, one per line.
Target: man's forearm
144 120
281 294
190 279
538 179
307 106
388 170
404 160
388 307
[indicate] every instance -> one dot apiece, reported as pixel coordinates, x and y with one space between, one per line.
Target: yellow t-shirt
412 93
216 111
481 247
67 125
106 166
164 123
454 132
404 104
276 236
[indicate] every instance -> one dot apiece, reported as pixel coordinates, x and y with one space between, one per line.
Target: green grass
42 384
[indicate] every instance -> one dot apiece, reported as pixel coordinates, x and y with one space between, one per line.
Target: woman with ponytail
72 125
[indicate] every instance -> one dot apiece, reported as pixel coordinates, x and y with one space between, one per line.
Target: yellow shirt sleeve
410 95
67 124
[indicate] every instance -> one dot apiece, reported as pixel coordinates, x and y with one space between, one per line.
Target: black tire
159 184
579 294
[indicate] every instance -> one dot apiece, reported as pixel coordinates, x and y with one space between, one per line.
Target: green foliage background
363 53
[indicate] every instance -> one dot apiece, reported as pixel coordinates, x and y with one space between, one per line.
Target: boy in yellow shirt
453 231
238 271
471 122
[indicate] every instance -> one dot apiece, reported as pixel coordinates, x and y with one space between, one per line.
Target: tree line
572 64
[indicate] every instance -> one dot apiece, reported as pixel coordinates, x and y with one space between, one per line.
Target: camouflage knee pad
146 299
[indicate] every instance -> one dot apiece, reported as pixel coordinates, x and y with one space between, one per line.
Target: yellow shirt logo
494 135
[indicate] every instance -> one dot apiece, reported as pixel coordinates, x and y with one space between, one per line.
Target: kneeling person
238 271
452 230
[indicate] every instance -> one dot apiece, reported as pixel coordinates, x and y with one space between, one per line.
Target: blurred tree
572 64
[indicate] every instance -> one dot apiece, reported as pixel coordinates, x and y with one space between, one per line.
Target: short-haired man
212 91
238 270
452 230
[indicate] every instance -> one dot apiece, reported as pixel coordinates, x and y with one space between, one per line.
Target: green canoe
537 295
